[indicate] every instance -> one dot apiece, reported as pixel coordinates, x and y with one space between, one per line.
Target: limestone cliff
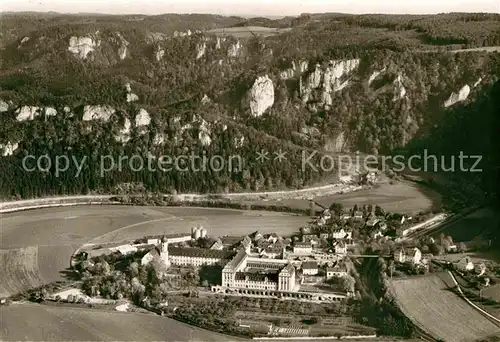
261 95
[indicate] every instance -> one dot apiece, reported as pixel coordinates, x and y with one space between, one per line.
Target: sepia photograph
266 170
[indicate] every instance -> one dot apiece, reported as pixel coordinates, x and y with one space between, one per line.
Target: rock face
399 89
261 95
296 70
462 95
234 50
200 50
158 139
50 111
123 49
131 97
82 46
326 82
3 106
142 118
206 99
159 54
27 113
97 113
124 135
8 149
239 141
204 133
374 76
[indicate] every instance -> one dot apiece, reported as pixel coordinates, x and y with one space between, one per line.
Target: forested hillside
94 85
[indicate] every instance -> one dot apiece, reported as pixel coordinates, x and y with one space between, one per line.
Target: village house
336 272
311 239
302 248
310 268
340 234
372 222
480 269
340 248
381 225
345 216
324 236
358 215
464 265
412 255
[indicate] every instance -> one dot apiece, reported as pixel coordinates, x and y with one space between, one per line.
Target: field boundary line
471 303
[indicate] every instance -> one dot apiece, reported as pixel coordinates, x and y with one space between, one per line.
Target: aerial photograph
267 170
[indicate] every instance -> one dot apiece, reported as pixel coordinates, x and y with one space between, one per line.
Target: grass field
428 302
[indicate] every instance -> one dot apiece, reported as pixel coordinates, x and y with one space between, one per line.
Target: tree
337 208
348 283
461 248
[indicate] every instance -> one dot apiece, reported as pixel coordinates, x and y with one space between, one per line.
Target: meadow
430 304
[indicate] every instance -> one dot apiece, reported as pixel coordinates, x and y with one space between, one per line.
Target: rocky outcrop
478 82
338 144
326 82
239 141
4 106
123 49
462 95
295 71
204 133
159 139
124 135
50 111
182 34
200 50
27 113
131 97
103 113
399 89
159 53
261 95
206 100
234 50
82 46
24 40
142 118
8 149
374 76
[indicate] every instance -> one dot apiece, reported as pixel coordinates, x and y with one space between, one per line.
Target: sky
251 7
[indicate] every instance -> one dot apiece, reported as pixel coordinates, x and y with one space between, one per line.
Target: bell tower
164 251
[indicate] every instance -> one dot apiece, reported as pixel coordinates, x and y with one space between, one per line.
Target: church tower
164 252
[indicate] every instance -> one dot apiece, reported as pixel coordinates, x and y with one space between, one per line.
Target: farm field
48 323
19 270
492 292
402 197
248 31
430 305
